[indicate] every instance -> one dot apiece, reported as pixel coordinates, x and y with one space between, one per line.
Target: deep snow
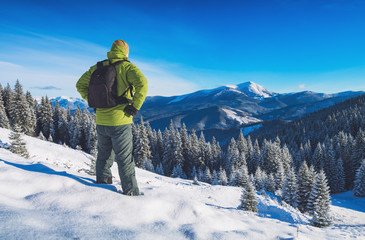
50 196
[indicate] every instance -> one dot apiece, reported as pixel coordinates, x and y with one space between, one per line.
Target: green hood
117 52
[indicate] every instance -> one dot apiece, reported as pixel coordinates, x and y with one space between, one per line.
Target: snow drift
51 196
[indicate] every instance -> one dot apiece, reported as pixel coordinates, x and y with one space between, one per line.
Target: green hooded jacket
115 116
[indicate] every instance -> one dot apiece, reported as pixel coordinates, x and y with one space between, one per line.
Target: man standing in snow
113 125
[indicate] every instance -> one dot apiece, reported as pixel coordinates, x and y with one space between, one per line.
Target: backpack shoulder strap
130 87
100 64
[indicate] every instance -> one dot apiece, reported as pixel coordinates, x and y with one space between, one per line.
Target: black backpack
102 91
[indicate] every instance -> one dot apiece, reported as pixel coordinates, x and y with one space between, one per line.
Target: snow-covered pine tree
320 201
4 121
216 154
19 111
290 189
203 149
32 103
270 183
242 144
185 145
194 174
207 177
222 176
159 169
357 156
142 148
195 159
55 132
255 160
249 147
338 176
271 157
359 184
157 157
147 165
8 95
260 179
92 141
63 128
279 176
249 200
46 116
177 172
215 178
305 183
318 158
17 144
232 158
74 132
286 158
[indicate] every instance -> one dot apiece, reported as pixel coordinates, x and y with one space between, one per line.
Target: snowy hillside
50 196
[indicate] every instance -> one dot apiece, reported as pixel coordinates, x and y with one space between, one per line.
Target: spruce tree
4 121
207 177
17 144
147 165
222 177
320 200
279 176
286 159
159 169
255 160
56 116
8 96
260 179
233 157
142 148
338 176
194 152
305 183
290 189
46 116
215 178
19 111
249 200
318 158
32 103
270 183
359 184
242 144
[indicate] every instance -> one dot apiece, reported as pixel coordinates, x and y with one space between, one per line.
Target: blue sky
184 46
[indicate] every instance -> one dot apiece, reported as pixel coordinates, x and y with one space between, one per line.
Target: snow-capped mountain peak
254 90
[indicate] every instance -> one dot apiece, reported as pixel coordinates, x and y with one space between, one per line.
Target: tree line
323 148
45 120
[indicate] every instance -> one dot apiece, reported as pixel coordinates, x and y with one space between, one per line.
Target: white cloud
301 86
47 61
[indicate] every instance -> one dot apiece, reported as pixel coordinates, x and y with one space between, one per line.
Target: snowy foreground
50 196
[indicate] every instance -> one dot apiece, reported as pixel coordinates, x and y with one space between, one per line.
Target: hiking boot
108 181
133 194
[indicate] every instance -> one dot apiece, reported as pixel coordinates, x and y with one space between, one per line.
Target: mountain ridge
229 106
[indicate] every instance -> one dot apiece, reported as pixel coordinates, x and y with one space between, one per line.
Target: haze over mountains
227 107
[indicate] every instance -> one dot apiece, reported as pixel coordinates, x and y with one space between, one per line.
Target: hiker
114 124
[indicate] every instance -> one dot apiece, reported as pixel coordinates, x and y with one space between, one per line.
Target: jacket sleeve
139 82
82 84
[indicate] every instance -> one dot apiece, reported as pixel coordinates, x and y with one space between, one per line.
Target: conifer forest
302 161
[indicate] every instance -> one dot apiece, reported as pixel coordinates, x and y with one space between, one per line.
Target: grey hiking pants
120 140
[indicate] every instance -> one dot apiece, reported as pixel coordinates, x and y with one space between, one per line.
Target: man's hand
130 110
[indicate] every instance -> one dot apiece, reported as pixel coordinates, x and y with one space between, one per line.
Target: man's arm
139 82
82 84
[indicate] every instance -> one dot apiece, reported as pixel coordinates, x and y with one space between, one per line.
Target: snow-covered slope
50 196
